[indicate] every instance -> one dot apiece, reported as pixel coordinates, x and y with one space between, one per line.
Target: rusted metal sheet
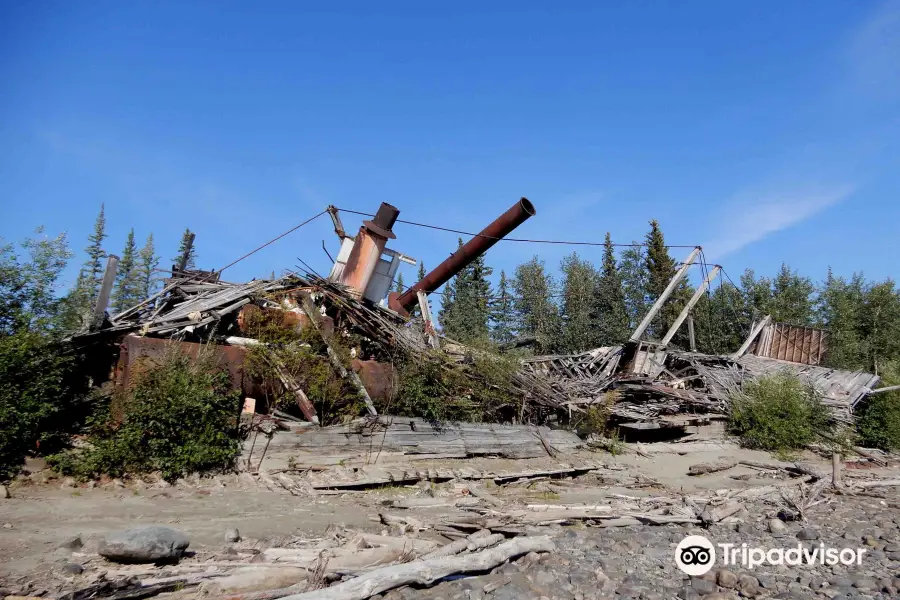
517 214
377 378
136 351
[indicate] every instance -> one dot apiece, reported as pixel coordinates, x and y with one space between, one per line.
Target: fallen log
716 514
704 468
876 483
426 572
480 493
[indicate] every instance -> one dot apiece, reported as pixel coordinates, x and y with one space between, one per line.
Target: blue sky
764 131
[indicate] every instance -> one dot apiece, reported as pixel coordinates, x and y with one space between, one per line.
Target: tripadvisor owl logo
695 555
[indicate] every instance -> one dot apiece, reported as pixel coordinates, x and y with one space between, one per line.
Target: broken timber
449 439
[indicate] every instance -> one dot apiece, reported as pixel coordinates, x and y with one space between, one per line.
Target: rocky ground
53 529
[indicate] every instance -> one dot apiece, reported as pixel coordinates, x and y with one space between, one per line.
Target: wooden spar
117 318
430 333
755 332
310 309
687 307
693 339
676 279
890 388
109 278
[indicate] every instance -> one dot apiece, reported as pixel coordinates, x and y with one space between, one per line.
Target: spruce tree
447 313
660 270
398 284
840 311
416 311
475 307
609 310
76 305
578 327
536 313
147 263
502 325
792 298
94 267
187 252
633 271
127 292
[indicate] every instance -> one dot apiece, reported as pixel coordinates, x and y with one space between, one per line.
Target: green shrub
437 389
778 413
179 417
41 388
878 422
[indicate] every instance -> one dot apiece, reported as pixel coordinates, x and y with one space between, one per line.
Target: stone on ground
151 543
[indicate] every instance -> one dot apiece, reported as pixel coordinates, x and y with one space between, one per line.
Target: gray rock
4 492
625 591
865 583
896 582
777 527
786 514
807 534
726 579
704 586
152 543
73 543
232 535
841 582
891 547
72 569
748 585
894 556
688 593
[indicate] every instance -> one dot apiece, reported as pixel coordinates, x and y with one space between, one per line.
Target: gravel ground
638 562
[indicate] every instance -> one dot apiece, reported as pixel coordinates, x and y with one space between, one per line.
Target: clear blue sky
765 131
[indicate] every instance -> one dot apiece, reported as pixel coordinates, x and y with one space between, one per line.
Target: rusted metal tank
517 214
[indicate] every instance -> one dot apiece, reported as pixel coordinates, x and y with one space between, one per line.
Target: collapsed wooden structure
643 384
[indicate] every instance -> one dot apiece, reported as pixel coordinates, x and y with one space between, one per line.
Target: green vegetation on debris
180 416
779 413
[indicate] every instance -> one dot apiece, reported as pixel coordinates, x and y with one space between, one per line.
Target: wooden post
676 279
310 309
693 340
691 303
836 470
430 333
109 278
759 327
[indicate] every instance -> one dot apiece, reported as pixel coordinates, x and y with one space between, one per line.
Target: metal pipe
517 214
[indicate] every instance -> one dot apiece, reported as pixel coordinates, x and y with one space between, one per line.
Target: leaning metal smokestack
517 214
368 247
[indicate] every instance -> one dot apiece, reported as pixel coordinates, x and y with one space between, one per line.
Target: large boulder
151 543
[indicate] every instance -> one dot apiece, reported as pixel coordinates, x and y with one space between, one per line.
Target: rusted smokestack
368 247
517 214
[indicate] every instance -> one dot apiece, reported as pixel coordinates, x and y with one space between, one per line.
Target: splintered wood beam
430 333
755 332
690 305
693 339
109 278
654 310
315 318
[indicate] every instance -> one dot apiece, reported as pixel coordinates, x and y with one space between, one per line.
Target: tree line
585 306
137 275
